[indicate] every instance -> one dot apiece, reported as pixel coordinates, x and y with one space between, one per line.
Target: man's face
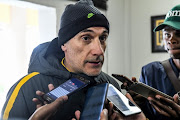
171 39
84 53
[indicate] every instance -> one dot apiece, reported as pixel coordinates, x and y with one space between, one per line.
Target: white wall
118 46
19 37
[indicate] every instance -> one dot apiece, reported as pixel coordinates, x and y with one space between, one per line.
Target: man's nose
97 48
172 39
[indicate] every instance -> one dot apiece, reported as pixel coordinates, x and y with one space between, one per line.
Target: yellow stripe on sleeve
15 93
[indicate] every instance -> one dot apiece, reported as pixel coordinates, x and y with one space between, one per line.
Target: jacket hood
46 59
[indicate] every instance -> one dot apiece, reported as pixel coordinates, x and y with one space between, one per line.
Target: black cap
77 17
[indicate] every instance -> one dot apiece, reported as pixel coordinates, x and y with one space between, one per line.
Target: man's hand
138 99
48 110
115 115
39 102
45 111
166 106
104 115
128 83
176 98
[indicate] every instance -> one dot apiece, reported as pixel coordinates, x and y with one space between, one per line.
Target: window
23 26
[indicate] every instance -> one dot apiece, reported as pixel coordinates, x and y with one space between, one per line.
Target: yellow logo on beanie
90 15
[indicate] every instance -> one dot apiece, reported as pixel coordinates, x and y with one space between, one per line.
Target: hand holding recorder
122 107
72 85
117 116
163 103
121 103
139 88
47 111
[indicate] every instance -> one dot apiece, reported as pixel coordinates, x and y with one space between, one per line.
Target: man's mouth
95 62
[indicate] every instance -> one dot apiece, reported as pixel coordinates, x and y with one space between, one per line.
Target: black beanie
77 17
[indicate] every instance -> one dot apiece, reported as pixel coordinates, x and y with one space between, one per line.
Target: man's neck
177 63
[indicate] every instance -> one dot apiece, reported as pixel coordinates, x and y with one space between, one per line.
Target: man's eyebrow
106 31
88 30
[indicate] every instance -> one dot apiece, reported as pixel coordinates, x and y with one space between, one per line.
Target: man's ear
63 47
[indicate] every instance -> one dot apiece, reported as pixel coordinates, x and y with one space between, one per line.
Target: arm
14 105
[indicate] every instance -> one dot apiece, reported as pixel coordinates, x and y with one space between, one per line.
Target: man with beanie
156 76
79 49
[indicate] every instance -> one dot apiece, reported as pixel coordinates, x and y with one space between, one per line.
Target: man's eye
103 38
86 38
167 35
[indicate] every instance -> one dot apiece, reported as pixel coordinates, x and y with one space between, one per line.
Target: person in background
154 74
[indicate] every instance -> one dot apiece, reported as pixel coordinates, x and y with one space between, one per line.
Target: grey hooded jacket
45 67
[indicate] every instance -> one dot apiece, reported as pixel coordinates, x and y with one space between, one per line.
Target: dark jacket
45 68
154 75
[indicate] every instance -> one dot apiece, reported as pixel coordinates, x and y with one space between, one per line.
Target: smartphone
94 102
121 102
140 88
147 91
122 78
67 88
